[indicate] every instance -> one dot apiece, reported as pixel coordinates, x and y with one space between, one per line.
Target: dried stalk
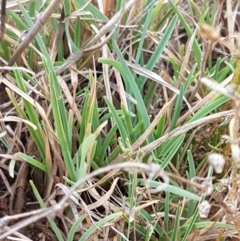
34 31
150 169
3 17
94 42
15 3
58 35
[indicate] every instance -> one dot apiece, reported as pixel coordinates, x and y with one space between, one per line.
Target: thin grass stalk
3 18
34 31
106 28
150 169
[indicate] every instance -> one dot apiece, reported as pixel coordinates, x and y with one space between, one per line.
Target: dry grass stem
34 31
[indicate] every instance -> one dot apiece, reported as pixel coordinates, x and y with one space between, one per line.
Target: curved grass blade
99 224
32 161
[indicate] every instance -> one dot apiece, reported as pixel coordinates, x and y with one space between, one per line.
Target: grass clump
117 122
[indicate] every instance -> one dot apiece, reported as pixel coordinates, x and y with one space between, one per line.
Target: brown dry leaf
17 119
69 98
104 198
149 130
206 31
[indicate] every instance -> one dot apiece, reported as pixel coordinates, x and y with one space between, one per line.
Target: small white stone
204 209
207 186
235 152
217 161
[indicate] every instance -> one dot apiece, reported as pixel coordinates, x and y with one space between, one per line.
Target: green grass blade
50 220
58 106
173 147
171 189
119 123
143 34
74 228
175 233
107 143
99 224
158 51
191 222
209 107
166 211
32 161
196 46
130 82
